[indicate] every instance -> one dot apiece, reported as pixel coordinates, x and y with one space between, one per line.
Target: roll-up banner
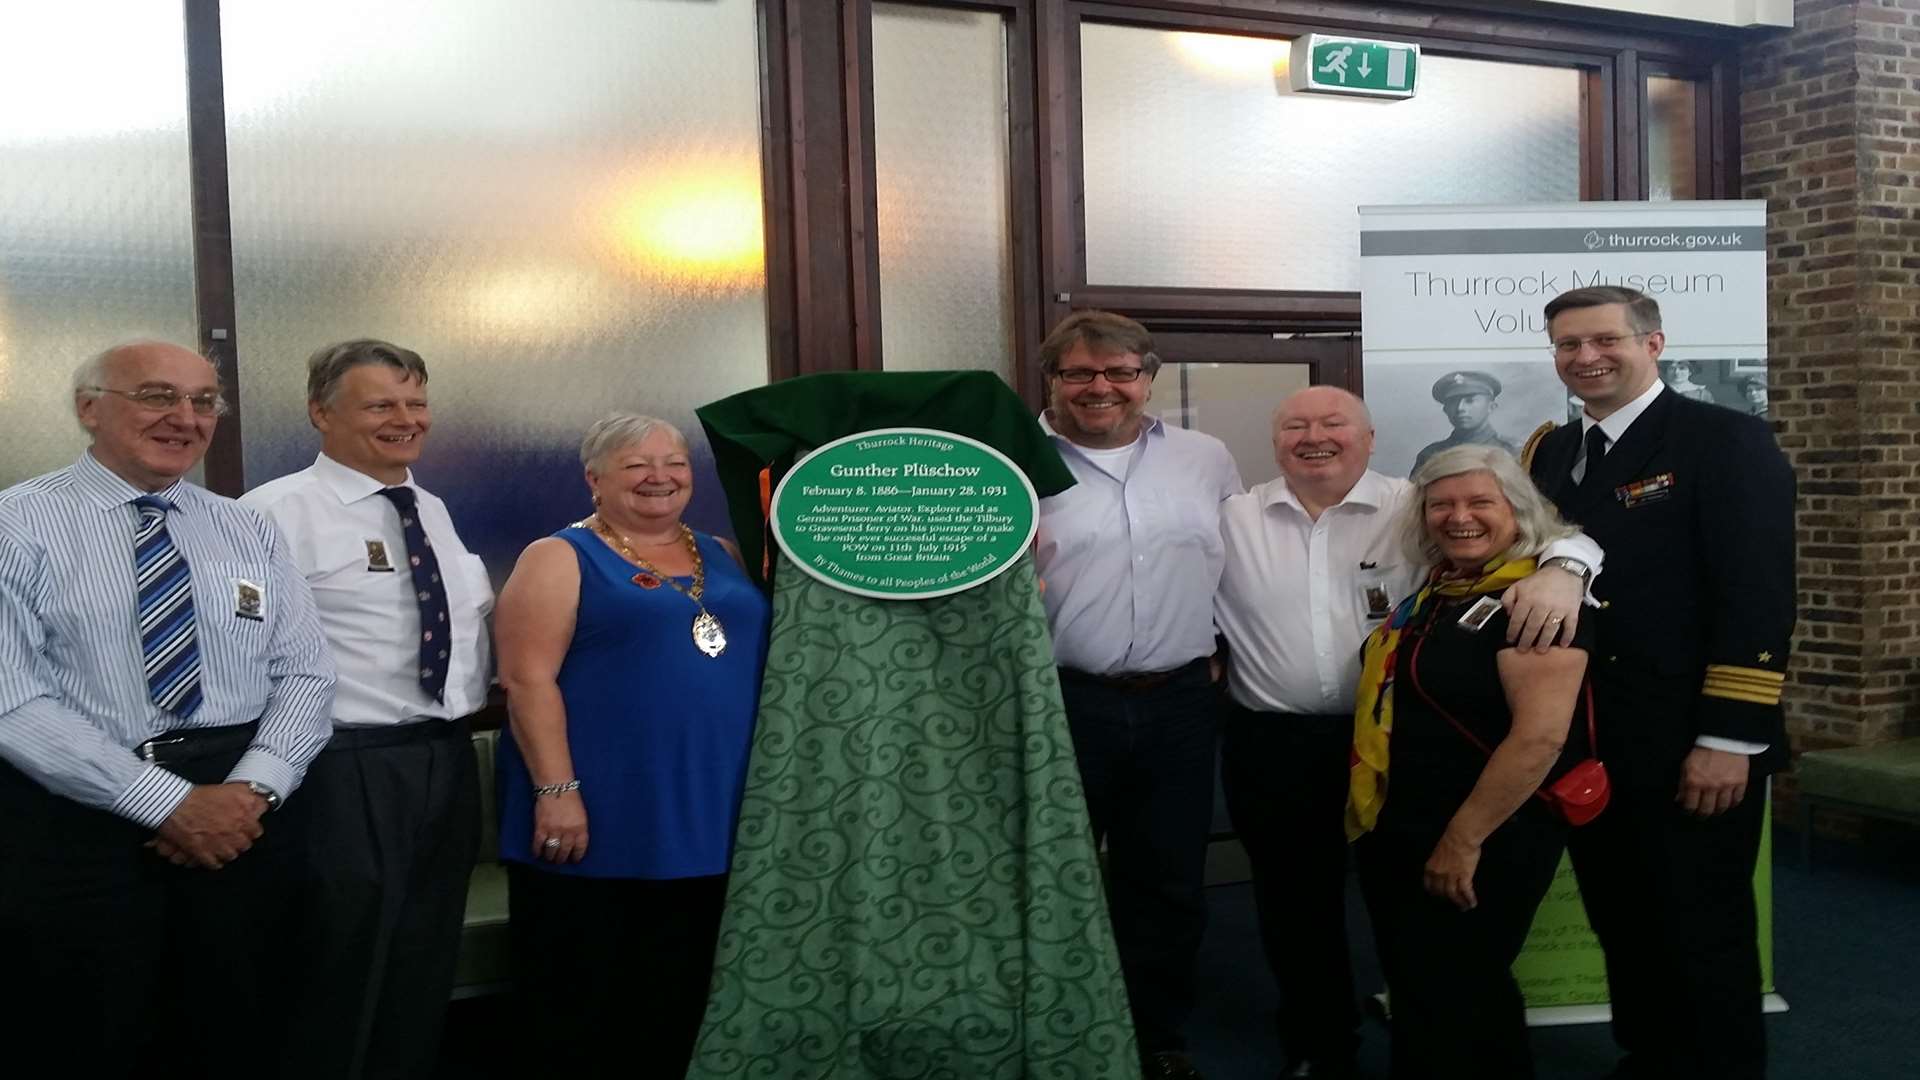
1454 347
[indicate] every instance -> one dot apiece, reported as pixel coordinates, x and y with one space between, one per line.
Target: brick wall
1831 139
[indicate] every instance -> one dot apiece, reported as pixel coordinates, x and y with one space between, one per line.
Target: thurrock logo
1593 239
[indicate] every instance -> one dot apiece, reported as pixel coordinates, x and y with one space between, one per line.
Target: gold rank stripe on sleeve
1756 685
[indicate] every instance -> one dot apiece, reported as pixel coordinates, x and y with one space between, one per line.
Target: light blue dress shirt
1131 561
73 694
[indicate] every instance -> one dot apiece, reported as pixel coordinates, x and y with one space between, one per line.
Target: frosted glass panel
1204 169
940 152
557 204
96 231
1671 155
1234 403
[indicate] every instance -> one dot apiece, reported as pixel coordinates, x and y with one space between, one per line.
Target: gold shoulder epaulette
1756 685
1533 443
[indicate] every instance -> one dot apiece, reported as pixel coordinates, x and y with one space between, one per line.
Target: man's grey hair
330 363
1537 522
619 430
91 374
1104 334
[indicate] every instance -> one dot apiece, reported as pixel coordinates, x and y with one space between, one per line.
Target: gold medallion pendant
708 635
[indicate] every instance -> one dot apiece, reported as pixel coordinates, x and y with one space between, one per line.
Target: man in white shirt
1312 566
393 804
1131 556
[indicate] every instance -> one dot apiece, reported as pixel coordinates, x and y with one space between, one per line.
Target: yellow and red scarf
1373 710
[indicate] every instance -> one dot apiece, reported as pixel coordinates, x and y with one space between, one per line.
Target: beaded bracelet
556 789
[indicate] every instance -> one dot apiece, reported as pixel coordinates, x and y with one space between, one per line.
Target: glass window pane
941 157
1233 403
558 205
1671 155
1204 169
96 229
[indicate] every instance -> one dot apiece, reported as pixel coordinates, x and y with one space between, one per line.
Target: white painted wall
1721 12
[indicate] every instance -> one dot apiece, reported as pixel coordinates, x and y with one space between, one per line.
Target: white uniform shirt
337 526
1299 595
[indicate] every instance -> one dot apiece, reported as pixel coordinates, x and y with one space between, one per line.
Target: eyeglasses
1082 375
1603 342
167 399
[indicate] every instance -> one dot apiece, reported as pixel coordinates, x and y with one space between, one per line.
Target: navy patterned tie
428 591
168 646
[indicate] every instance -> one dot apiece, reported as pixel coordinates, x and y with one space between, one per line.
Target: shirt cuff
1731 746
153 797
262 767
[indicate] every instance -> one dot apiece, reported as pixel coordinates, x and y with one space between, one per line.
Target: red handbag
1580 794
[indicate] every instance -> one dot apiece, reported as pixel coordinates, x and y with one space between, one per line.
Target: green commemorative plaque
904 513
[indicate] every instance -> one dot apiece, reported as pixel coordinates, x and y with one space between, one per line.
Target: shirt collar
1622 418
107 489
351 485
1371 491
1149 424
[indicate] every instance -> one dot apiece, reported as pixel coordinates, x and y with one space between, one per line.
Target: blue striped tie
168 646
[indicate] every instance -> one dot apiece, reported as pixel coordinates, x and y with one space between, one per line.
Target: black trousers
1146 761
611 974
1286 785
1670 897
392 817
1457 1013
118 961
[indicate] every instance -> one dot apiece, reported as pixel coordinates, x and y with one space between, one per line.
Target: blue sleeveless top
659 731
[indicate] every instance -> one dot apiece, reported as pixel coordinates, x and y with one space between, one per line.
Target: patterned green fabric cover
914 890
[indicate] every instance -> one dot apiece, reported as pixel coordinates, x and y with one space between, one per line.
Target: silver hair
1366 414
92 372
1537 523
610 433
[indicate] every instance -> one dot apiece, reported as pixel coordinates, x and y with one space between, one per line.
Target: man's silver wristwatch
265 792
1572 566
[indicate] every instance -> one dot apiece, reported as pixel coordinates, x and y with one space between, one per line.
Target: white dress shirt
1131 557
331 516
1298 594
1615 426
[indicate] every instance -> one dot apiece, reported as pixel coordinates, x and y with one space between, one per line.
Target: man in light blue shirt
1131 556
163 685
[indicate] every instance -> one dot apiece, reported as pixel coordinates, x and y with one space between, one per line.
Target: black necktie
1596 449
428 591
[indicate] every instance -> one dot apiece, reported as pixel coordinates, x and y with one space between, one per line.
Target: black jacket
1694 507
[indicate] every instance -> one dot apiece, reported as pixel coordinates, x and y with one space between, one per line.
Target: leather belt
371 738
1131 682
187 744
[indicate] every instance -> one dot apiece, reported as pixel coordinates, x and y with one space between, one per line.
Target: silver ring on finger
550 842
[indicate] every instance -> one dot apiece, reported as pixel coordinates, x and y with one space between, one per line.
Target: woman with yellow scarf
1455 732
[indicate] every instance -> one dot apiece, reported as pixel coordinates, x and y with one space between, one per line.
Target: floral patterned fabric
914 893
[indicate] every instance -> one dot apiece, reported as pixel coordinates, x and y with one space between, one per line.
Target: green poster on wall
1562 973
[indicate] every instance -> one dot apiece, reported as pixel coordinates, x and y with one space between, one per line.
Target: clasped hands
214 825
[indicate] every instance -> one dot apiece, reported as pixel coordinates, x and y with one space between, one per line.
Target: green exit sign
1323 64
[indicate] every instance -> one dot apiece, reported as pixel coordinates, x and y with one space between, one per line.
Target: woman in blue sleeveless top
631 649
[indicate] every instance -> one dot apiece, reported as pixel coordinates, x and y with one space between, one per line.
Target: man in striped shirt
163 684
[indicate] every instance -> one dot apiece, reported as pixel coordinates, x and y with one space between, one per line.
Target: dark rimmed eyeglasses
1603 342
1082 375
167 399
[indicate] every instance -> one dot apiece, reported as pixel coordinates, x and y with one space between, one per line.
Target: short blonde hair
1536 522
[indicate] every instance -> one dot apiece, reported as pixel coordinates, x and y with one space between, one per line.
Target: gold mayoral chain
708 635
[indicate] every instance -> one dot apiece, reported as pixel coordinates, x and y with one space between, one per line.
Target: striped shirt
74 702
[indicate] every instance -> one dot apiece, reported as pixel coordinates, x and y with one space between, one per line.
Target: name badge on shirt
377 560
1375 601
1477 616
1652 489
249 600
